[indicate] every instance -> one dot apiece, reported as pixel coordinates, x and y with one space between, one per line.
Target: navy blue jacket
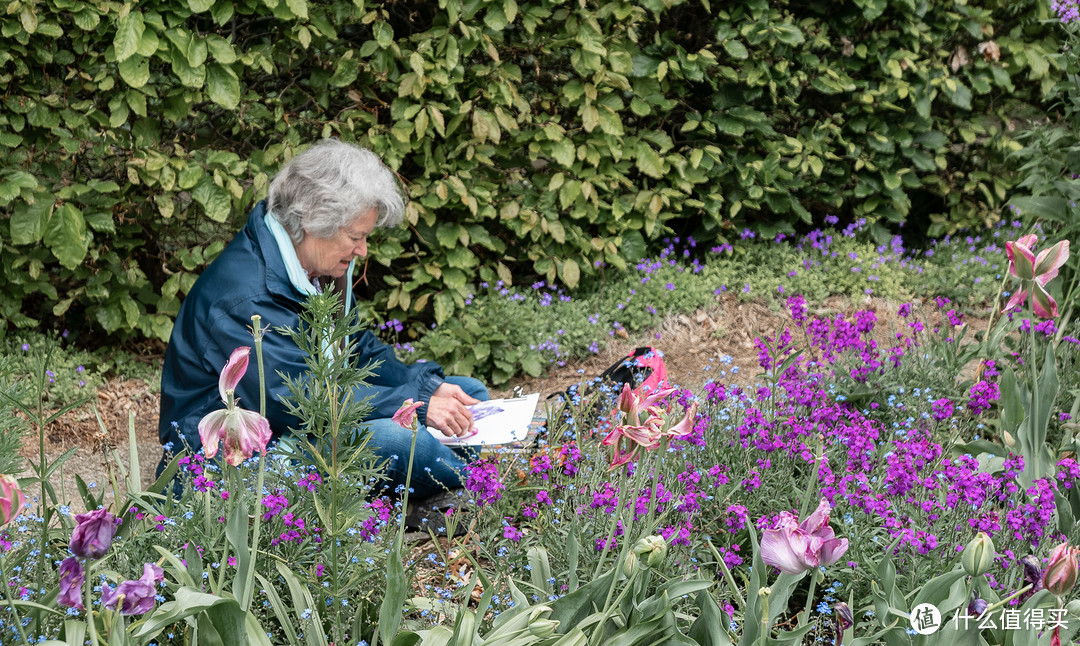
249 277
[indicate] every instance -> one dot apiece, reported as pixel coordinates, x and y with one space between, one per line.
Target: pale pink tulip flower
797 547
406 415
243 432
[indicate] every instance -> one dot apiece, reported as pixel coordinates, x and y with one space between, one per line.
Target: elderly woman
315 222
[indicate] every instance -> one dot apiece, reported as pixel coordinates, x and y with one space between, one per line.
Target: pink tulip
627 440
1061 570
686 426
11 498
242 431
406 415
657 395
796 548
1034 272
234 370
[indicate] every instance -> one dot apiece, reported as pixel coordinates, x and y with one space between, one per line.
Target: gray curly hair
325 187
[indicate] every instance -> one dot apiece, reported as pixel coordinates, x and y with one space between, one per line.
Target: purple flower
71 581
134 597
942 408
94 534
484 481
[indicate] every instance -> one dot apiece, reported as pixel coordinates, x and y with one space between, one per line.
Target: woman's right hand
447 411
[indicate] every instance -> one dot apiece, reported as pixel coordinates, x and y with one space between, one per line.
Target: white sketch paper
498 421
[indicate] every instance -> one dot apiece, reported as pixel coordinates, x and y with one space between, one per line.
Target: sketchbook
498 421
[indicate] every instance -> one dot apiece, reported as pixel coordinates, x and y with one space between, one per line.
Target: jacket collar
277 277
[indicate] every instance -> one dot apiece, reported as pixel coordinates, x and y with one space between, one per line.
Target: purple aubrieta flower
134 597
72 576
94 534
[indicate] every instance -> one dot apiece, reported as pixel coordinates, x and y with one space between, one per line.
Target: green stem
805 615
249 582
763 638
88 601
804 508
1007 599
609 604
994 309
11 602
1035 426
41 501
664 441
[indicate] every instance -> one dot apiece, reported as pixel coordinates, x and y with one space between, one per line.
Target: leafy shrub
538 138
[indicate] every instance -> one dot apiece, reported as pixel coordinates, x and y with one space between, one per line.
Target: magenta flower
134 597
11 498
72 576
244 432
406 415
796 548
93 535
1034 273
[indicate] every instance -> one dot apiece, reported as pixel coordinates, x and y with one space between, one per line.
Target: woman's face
331 256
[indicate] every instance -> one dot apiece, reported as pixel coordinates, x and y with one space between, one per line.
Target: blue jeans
436 467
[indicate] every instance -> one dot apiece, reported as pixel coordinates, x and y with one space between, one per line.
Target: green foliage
538 138
71 373
550 326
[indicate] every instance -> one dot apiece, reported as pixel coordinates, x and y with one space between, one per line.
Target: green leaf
345 72
199 6
961 96
571 273
736 49
298 7
531 365
135 71
633 246
563 152
129 32
1049 207
193 77
788 34
214 199
648 161
66 235
28 221
590 117
221 49
384 34
222 86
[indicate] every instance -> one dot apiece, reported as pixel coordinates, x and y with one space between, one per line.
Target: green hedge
535 138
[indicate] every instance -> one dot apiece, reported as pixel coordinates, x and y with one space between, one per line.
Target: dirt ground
689 343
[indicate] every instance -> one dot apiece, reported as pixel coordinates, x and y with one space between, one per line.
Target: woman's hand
447 411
